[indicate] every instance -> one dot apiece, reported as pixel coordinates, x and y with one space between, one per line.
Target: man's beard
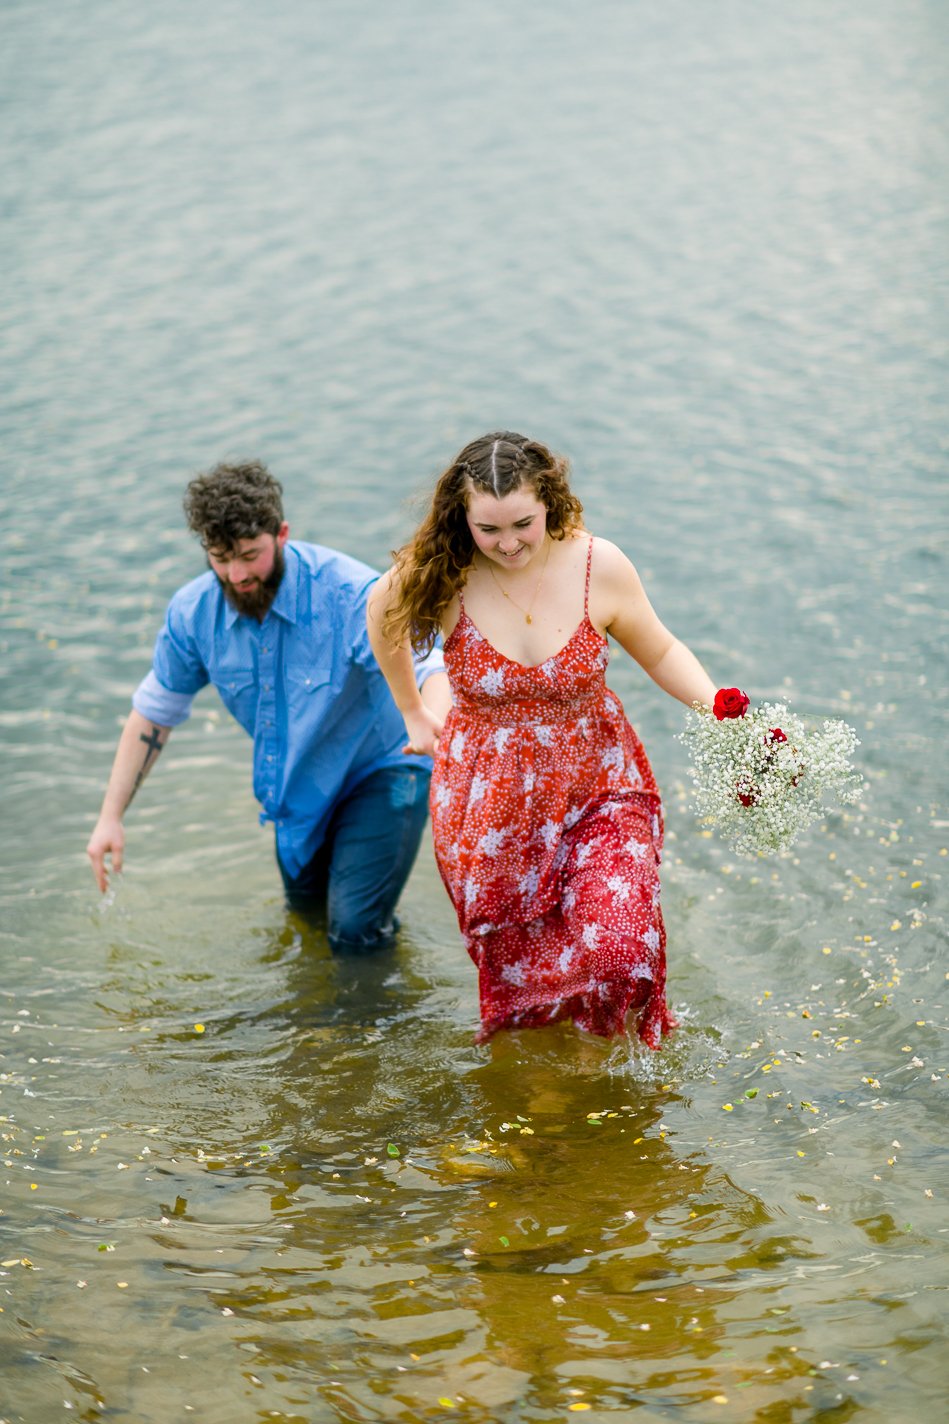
255 603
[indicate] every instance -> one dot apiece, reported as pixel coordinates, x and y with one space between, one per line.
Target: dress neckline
530 667
464 616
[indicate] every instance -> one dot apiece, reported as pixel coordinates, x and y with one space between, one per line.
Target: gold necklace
526 611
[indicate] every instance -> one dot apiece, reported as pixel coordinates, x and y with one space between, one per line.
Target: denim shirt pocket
238 690
303 683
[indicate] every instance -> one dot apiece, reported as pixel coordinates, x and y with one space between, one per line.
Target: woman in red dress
546 816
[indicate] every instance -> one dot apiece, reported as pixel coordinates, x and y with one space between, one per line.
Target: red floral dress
548 833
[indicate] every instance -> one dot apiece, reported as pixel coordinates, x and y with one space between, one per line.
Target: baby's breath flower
763 778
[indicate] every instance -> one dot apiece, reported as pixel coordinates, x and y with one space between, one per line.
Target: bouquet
763 775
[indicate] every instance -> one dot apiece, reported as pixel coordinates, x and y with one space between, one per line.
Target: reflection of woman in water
546 816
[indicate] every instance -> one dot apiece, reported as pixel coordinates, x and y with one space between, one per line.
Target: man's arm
139 747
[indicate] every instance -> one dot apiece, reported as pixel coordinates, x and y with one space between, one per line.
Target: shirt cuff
424 667
160 705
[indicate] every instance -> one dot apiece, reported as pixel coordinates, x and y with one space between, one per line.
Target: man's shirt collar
286 603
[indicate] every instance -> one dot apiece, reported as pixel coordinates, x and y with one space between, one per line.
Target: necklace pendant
528 618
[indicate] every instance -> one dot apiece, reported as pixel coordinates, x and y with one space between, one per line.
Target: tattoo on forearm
154 745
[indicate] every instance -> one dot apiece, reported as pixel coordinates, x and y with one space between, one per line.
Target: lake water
702 250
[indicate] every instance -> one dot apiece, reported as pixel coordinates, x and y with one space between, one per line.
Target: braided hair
436 562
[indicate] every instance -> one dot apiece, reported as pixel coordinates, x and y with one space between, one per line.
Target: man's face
250 573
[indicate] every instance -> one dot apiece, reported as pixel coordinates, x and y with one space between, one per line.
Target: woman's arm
423 725
436 694
627 615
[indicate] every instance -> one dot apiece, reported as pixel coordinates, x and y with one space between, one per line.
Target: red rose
730 702
776 735
747 793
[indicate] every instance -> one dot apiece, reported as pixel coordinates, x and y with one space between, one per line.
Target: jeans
359 871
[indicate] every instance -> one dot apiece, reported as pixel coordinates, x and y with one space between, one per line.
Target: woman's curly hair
233 502
436 563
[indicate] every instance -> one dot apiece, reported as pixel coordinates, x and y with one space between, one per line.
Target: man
279 628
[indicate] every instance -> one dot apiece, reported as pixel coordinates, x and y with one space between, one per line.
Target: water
701 250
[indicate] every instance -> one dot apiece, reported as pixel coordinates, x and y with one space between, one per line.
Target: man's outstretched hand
108 839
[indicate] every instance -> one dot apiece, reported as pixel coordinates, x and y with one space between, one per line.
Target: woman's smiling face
509 530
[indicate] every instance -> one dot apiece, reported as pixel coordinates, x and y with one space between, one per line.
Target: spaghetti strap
586 590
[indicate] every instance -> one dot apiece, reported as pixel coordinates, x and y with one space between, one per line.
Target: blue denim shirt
303 683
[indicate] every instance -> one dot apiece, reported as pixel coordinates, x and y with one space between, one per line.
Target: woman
546 816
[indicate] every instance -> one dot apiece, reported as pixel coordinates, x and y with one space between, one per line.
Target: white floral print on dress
528 883
492 841
619 887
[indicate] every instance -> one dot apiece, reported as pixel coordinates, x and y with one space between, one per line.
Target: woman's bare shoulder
611 562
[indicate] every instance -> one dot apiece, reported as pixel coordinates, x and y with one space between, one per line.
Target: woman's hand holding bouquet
762 774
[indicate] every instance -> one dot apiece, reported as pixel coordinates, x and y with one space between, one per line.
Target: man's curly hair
233 502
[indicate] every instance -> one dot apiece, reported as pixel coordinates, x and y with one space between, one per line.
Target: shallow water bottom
295 1188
